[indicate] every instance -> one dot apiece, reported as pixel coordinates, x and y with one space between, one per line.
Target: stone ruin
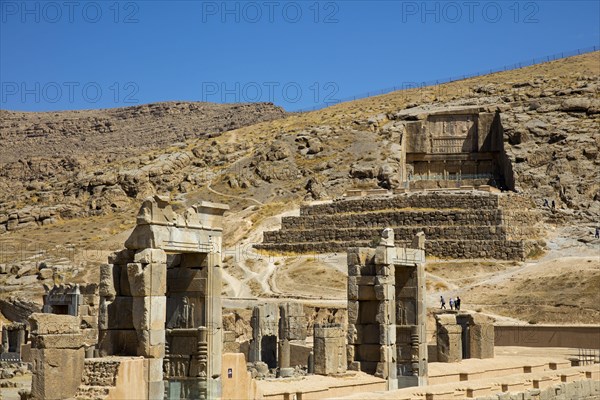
81 301
159 305
159 301
14 335
57 353
387 311
329 349
461 224
274 329
464 145
451 165
462 335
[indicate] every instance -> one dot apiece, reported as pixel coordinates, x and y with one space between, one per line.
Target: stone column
385 292
329 349
449 340
5 343
478 335
147 278
254 353
214 324
20 338
292 326
58 355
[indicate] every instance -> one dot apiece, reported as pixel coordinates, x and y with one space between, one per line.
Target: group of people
454 303
546 204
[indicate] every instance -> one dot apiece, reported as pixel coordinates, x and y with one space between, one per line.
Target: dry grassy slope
322 153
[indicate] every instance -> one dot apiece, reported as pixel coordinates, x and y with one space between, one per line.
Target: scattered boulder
18 310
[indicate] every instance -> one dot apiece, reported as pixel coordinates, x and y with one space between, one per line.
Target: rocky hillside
63 207
550 113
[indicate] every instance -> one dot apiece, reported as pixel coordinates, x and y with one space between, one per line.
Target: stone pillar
147 278
478 335
58 355
265 327
283 351
254 352
482 341
20 338
449 340
214 320
387 311
329 349
5 342
292 326
385 293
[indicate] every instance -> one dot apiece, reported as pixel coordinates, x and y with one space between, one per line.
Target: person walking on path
457 303
451 303
597 235
443 302
546 203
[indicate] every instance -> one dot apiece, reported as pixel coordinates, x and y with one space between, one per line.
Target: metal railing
588 356
433 82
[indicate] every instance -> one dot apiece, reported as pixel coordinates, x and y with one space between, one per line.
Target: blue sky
57 55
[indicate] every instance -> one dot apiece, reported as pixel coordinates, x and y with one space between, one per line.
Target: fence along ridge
433 82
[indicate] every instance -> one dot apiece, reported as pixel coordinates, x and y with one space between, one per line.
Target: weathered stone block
147 279
482 341
153 369
329 349
145 347
121 257
118 314
60 341
149 313
157 337
353 270
352 335
352 288
387 335
46 324
57 373
350 352
148 256
118 342
449 343
352 312
384 311
109 280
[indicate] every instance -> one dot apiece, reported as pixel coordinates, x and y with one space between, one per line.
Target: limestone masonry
458 224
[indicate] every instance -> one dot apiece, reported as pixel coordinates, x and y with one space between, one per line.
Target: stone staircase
465 224
99 377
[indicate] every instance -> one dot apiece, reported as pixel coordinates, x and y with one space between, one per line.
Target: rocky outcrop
18 310
549 125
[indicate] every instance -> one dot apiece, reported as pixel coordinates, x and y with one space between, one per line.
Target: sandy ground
23 382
